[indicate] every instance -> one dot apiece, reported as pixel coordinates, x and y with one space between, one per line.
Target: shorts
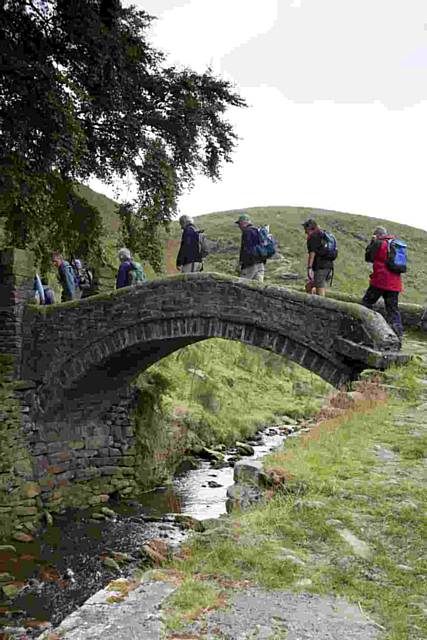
321 277
254 272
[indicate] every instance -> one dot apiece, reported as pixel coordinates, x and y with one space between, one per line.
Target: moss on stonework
87 493
15 461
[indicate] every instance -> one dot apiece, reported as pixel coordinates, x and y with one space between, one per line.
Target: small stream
64 566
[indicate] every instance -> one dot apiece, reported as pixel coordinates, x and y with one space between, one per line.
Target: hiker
251 265
320 263
189 258
384 282
49 294
38 290
65 277
130 272
83 278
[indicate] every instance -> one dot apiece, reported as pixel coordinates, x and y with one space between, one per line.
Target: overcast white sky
337 93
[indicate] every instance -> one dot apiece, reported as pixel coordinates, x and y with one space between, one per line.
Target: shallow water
64 566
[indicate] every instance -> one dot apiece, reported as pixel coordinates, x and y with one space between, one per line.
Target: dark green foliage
83 93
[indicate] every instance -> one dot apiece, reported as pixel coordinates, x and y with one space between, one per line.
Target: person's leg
259 272
254 272
391 300
320 278
372 295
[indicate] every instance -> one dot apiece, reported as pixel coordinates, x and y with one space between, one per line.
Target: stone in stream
250 472
241 496
211 454
213 484
188 522
244 448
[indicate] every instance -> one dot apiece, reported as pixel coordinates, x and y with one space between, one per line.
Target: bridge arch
81 355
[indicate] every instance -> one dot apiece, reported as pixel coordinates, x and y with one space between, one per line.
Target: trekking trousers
391 302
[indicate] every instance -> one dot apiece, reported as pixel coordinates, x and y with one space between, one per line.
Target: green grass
226 390
337 482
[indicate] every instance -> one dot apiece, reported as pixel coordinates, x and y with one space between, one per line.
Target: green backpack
136 273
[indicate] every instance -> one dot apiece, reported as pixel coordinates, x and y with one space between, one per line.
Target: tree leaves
83 93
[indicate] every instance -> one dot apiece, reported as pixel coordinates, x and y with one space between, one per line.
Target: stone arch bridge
67 438
82 354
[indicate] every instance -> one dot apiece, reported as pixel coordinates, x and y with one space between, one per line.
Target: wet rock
211 454
250 472
240 496
244 449
213 484
188 522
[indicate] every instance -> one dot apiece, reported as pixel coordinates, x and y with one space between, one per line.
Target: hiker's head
124 255
309 225
379 231
56 258
185 220
243 220
45 282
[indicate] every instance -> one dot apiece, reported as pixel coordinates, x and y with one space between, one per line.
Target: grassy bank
346 520
218 391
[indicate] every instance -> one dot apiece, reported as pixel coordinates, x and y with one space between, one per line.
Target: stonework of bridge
81 354
74 362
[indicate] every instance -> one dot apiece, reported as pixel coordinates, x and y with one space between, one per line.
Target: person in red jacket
383 282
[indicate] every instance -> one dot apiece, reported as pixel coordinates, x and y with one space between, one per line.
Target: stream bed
66 564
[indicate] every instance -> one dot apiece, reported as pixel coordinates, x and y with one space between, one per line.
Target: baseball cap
243 218
309 224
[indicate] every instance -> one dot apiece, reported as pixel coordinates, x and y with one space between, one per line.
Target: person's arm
184 250
69 283
371 249
311 248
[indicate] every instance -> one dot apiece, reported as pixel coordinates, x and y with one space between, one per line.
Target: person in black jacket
189 259
252 266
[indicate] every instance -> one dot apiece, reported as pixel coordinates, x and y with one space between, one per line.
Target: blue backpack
328 247
267 244
397 255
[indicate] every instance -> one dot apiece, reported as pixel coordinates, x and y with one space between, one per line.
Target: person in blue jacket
123 274
189 259
65 277
252 266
